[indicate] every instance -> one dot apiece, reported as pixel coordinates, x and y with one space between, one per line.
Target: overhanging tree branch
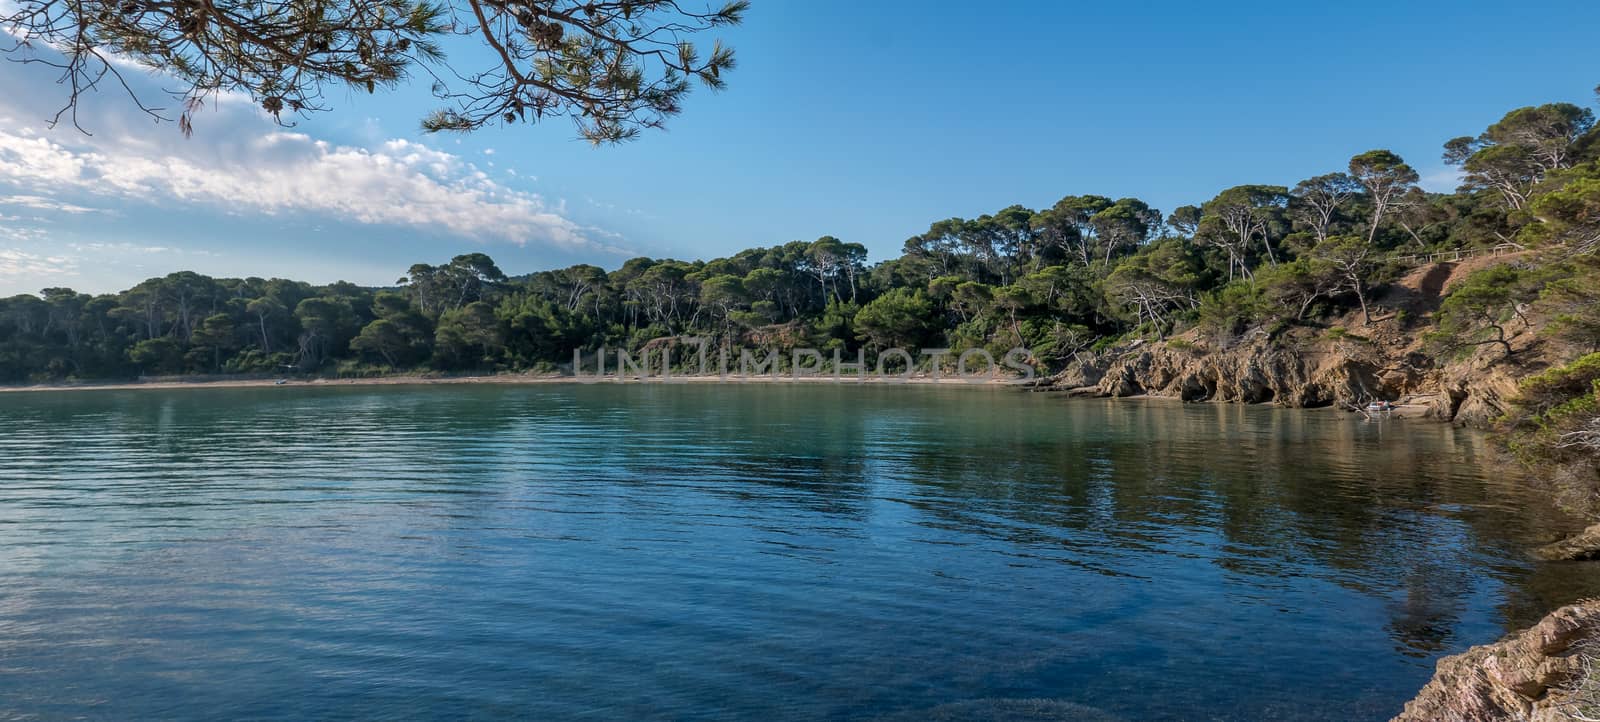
612 68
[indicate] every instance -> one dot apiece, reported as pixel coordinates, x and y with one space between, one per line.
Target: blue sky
864 120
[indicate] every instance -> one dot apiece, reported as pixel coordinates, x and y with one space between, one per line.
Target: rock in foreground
1522 677
1585 545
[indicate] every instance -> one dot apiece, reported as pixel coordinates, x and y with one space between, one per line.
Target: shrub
1558 386
1556 420
1340 333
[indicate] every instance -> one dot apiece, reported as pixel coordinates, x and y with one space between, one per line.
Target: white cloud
239 163
17 264
133 249
43 204
1443 180
398 183
12 231
119 248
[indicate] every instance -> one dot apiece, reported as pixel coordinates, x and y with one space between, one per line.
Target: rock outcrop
1534 675
1350 361
1254 372
1585 545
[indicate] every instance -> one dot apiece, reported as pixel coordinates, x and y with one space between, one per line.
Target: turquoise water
724 552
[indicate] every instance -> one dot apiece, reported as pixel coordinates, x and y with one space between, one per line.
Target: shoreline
1037 385
202 382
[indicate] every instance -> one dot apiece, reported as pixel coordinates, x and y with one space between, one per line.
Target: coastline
1037 385
202 382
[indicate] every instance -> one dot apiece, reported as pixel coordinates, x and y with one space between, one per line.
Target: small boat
280 382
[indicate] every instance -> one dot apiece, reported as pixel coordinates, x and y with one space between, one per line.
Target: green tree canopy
899 318
1517 152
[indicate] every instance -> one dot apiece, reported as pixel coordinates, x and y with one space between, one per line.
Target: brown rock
1584 545
1389 357
1255 371
1517 678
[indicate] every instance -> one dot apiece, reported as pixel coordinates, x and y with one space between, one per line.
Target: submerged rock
1582 546
1522 677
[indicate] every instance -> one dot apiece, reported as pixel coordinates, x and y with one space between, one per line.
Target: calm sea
815 552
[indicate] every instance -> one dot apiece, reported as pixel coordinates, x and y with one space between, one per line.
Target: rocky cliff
1541 674
1347 361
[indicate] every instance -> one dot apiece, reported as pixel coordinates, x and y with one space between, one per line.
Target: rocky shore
1545 673
1348 363
1583 546
1541 674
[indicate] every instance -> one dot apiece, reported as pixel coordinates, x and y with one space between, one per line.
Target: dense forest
1083 274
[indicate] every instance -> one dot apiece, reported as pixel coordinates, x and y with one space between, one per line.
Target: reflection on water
675 552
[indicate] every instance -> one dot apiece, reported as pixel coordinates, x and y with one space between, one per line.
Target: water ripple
606 552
